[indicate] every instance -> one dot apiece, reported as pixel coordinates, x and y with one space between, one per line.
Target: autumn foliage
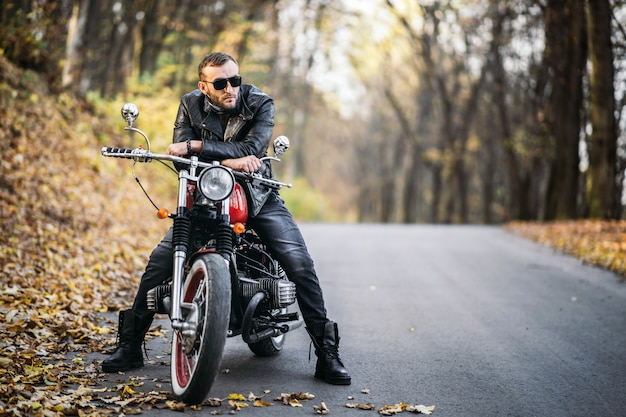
74 237
595 242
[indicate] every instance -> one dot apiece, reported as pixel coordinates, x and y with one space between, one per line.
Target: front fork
182 229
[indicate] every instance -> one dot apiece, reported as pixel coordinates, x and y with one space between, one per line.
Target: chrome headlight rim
216 183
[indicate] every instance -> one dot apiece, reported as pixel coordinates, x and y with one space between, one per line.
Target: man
232 122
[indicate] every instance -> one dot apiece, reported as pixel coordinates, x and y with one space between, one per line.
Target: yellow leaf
237 405
304 396
103 330
127 391
237 397
261 403
390 410
321 409
32 370
294 403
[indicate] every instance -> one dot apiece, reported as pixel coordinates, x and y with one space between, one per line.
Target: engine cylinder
158 299
280 292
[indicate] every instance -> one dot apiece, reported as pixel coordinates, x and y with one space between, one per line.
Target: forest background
503 112
407 111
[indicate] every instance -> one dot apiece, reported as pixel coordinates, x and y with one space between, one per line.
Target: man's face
225 98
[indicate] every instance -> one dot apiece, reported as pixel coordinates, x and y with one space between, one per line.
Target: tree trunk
565 54
437 186
411 191
73 58
153 33
602 191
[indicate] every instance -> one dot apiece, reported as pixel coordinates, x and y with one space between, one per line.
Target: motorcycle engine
280 293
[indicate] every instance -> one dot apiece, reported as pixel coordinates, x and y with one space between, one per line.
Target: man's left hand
248 163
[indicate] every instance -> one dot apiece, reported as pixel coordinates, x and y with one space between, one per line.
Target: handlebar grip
137 154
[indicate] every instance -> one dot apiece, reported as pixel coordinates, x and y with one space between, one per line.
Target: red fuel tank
238 206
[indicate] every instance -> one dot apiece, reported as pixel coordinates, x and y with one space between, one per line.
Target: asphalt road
473 320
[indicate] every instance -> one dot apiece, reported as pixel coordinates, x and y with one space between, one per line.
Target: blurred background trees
477 111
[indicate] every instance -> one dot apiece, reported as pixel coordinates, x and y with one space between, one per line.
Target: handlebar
143 155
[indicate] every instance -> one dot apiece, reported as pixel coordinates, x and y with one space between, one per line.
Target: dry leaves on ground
595 242
73 243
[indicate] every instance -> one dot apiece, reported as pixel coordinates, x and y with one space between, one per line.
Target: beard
225 101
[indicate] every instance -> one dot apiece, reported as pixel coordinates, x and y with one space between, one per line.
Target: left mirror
130 112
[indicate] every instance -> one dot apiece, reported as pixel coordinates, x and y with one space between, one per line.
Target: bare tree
457 96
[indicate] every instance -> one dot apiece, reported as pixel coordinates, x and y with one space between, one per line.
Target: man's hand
177 149
248 163
180 148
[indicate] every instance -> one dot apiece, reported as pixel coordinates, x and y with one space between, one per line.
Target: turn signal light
163 213
239 228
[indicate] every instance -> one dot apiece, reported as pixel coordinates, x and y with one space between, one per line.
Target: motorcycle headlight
216 183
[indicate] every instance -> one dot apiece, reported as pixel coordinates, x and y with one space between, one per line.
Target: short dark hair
214 59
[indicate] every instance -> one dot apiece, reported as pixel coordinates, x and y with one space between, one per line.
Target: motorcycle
224 282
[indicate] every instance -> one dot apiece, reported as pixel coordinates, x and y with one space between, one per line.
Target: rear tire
195 363
269 347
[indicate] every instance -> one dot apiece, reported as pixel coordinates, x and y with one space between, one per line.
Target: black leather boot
329 366
130 334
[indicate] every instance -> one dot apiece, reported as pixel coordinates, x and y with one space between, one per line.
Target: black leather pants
276 227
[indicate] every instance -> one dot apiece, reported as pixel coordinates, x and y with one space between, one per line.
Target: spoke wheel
196 355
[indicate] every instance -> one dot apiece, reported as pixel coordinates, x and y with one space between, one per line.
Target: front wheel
196 356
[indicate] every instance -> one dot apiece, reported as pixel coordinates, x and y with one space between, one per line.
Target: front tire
196 359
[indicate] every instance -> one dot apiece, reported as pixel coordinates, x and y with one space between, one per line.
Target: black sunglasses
220 83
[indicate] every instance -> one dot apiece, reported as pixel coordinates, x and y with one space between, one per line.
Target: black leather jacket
248 131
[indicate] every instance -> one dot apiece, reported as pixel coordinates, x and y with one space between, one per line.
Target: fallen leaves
390 410
261 403
321 409
293 400
595 242
361 406
84 400
237 402
59 264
